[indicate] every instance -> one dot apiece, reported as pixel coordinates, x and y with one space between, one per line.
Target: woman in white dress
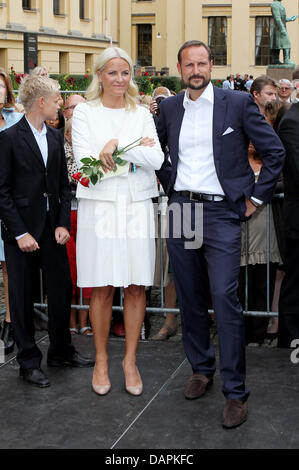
116 233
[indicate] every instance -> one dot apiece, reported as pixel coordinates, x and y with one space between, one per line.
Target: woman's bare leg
100 312
134 311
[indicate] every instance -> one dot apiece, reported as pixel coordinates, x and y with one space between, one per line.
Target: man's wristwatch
255 203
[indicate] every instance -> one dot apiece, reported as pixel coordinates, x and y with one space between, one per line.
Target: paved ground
69 415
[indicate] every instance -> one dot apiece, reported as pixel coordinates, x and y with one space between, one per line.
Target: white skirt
116 241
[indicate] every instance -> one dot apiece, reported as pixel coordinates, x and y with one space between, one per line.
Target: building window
218 39
82 10
144 57
89 62
263 30
63 62
3 55
56 7
26 4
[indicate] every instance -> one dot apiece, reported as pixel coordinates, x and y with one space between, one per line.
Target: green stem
123 150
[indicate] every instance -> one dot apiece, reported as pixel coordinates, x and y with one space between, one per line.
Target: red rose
86 76
77 176
146 74
85 182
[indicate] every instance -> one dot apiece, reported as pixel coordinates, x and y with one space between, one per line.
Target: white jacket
90 133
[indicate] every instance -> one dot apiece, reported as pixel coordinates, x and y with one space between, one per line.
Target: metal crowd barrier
162 309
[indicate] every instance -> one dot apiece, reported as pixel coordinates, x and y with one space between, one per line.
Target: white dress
116 238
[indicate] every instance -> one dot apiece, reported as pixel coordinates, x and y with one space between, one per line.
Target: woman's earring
5 99
100 86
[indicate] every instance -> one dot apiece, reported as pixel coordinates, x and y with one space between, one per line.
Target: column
125 20
240 36
74 18
98 17
46 16
292 8
160 39
193 20
175 32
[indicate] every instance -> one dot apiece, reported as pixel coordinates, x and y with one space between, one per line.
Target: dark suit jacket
238 111
25 182
288 131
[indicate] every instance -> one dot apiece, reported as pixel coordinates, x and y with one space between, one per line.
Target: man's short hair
35 86
194 43
260 82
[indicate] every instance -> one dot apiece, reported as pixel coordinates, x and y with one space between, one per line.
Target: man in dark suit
288 324
207 131
35 200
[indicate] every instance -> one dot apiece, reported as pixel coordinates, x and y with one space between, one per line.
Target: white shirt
196 168
41 139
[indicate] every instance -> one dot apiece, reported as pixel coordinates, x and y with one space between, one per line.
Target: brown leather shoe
197 386
234 413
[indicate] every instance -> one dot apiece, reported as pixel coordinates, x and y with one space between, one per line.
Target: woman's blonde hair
35 86
95 91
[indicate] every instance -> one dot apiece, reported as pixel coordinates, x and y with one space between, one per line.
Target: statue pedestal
277 72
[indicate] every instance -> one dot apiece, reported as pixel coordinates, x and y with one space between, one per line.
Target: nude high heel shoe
133 390
101 389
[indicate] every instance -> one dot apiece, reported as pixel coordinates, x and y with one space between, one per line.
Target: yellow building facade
71 33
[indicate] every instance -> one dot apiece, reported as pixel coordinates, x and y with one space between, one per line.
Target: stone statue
279 37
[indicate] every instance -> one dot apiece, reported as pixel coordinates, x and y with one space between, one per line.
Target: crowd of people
287 91
219 153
